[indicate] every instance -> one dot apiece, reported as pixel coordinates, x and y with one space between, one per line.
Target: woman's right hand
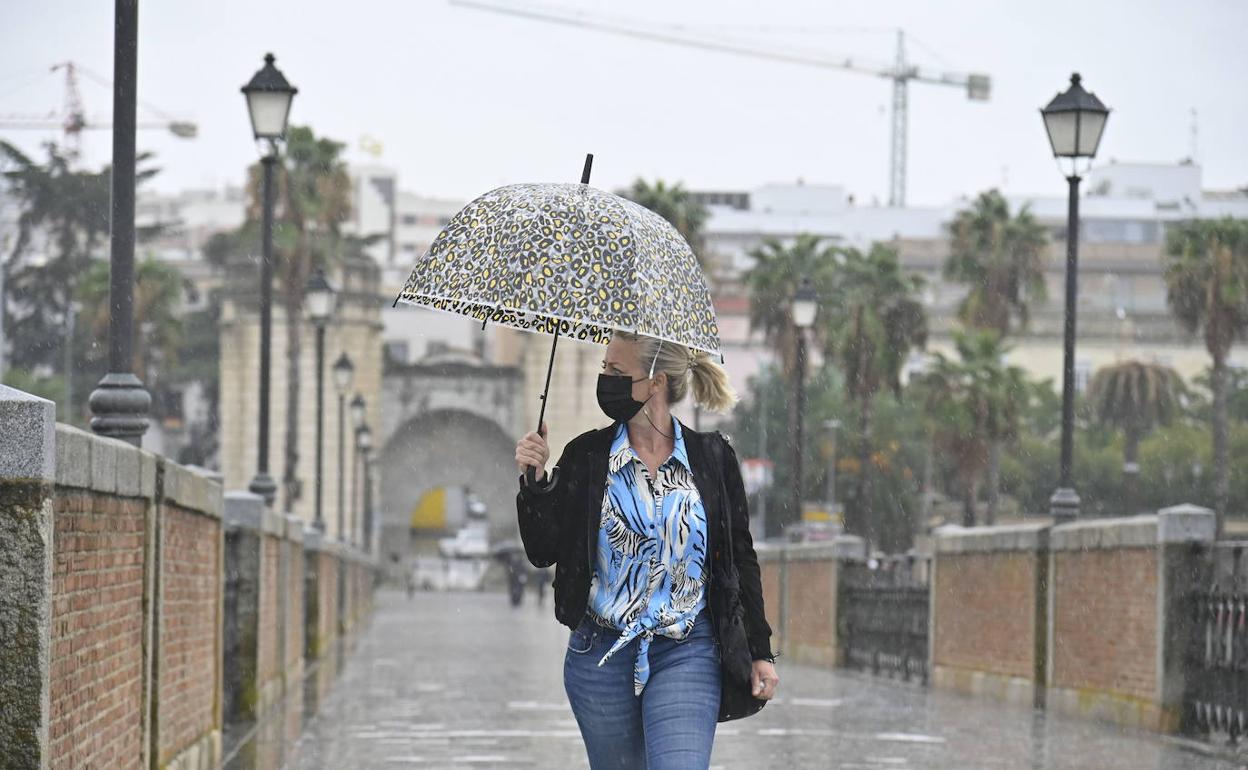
532 451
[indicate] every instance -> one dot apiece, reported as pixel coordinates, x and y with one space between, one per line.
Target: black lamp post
364 443
120 403
1074 121
268 104
319 299
802 309
359 415
343 373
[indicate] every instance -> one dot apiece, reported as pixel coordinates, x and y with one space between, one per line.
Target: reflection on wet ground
464 680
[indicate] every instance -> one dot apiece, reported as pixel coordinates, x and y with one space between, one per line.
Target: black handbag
736 699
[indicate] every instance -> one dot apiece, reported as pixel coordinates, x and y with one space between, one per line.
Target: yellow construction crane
978 86
73 120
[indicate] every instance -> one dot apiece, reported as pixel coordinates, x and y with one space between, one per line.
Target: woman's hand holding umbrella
532 451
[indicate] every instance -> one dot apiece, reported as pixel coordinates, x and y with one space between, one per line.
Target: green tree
1135 397
1206 272
871 320
312 201
976 404
759 430
62 225
1001 259
677 206
1236 384
778 271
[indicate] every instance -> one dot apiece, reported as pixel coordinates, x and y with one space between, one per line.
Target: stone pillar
27 474
312 641
243 516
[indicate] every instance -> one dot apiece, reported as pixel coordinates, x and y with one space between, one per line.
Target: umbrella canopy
570 260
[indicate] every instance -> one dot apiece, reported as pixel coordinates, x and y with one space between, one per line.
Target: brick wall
189 659
112 595
1105 637
97 661
985 612
268 665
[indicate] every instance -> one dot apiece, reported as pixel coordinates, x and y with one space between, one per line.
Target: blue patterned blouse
648 578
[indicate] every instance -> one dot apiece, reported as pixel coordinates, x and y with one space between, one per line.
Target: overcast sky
463 101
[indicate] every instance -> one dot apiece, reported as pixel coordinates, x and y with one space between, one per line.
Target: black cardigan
560 526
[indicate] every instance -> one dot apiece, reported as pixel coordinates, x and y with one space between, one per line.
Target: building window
408 219
1083 374
397 351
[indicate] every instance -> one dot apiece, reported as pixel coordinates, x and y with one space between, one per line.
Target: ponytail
711 388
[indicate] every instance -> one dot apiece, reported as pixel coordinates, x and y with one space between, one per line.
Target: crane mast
978 86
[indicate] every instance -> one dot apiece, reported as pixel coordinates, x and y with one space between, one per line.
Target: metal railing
884 619
1215 695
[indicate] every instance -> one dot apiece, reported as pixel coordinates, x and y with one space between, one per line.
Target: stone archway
446 448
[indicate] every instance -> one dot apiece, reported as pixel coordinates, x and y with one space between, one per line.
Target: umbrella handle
530 479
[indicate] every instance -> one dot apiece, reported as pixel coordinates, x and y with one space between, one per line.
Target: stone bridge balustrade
140 610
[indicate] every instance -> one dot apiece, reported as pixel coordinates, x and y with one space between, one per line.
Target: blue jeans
671 725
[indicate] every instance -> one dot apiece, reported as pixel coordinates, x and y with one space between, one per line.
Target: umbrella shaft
546 390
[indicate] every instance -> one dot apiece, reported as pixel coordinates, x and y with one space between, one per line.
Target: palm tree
975 405
312 200
871 320
1009 396
1135 397
677 206
1001 258
1206 271
778 271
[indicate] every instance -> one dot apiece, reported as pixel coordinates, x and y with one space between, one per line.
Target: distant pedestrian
541 578
515 578
653 660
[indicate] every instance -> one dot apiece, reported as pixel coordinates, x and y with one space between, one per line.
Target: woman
642 669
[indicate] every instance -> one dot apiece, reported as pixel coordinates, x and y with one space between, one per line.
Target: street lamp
804 305
343 374
319 299
359 413
1074 121
268 104
120 403
364 445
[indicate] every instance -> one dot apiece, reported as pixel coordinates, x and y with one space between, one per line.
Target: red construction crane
73 120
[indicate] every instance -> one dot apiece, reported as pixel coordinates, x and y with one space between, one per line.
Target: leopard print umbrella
567 258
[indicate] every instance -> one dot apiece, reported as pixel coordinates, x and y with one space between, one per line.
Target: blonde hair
684 366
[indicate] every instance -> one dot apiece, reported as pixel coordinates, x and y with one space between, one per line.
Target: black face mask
615 396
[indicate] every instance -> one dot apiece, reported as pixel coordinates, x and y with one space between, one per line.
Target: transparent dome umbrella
566 260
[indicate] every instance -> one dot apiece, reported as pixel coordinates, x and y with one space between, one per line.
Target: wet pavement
463 680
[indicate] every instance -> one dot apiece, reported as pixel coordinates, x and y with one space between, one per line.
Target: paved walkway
463 680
